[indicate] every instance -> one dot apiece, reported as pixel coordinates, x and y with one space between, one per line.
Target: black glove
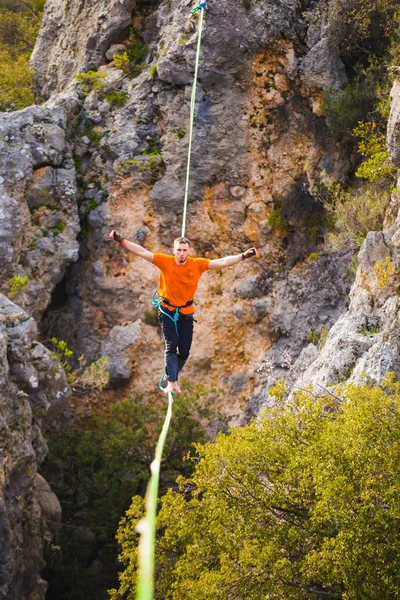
249 253
118 238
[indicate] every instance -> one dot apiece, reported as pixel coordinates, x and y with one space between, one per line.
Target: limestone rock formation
364 342
30 382
257 131
74 38
305 309
38 204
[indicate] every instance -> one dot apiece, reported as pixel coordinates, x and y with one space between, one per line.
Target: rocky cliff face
113 156
38 204
30 382
258 130
363 343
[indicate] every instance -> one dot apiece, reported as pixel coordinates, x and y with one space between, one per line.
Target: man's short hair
182 240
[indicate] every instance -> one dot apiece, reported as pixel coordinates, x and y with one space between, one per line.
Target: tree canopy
19 26
302 503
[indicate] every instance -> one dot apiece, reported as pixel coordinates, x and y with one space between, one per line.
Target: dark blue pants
177 344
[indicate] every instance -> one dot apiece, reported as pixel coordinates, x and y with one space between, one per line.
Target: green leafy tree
361 28
304 503
19 26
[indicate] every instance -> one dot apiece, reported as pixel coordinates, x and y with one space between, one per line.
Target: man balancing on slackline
179 278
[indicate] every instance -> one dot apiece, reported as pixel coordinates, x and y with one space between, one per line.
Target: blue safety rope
156 302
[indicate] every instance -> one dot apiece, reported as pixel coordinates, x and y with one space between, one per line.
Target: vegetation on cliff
368 37
95 468
19 26
303 502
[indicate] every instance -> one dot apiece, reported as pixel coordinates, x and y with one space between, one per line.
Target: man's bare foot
172 387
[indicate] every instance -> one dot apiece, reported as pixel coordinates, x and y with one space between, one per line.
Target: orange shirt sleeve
159 259
202 264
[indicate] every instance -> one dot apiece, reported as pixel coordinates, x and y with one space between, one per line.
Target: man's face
181 252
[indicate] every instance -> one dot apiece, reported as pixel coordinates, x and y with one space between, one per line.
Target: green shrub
137 49
354 211
58 227
151 151
318 337
19 26
317 225
93 135
149 166
92 204
91 81
93 376
384 272
372 145
151 317
362 28
183 39
153 72
180 133
361 211
344 108
276 219
116 99
78 160
129 61
17 284
122 61
15 82
63 355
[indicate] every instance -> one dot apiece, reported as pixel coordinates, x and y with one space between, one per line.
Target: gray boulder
74 38
116 346
322 67
115 49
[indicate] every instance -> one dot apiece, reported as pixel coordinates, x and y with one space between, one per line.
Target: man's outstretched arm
131 246
227 261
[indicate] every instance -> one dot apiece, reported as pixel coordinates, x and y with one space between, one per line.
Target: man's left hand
249 253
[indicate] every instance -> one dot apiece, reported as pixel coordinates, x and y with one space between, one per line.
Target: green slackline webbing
192 105
147 526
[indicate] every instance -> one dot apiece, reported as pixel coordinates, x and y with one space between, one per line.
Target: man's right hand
116 235
131 246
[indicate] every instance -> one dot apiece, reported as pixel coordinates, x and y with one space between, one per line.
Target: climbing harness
166 301
156 302
147 526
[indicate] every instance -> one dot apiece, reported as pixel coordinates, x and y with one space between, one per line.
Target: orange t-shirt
178 283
